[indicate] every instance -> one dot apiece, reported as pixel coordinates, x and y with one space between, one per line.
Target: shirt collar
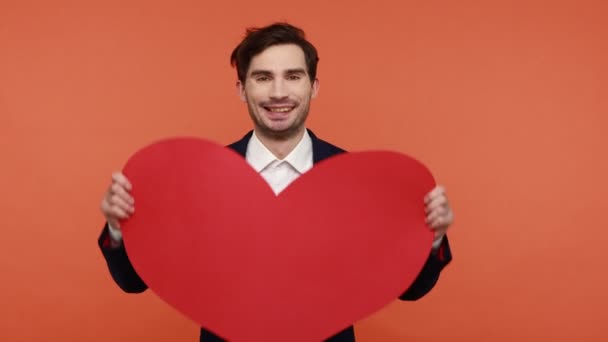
259 157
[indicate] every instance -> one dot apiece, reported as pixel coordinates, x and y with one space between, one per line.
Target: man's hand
439 215
117 203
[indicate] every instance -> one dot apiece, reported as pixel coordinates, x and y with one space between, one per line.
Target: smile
279 109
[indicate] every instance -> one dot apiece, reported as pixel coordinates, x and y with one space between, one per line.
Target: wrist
115 235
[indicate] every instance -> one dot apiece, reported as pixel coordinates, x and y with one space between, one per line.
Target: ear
240 90
315 88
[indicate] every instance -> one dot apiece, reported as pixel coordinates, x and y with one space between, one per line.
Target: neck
280 146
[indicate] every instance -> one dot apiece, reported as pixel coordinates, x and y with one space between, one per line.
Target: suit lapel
240 146
321 150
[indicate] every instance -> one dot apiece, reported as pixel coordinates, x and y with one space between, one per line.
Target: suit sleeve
119 265
429 275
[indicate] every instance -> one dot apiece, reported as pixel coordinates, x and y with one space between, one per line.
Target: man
276 68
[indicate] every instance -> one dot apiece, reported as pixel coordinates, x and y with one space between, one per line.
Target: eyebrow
296 71
270 73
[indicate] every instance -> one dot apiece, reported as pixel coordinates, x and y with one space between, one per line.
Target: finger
439 202
119 190
436 213
113 213
122 204
436 192
120 178
438 223
442 221
118 213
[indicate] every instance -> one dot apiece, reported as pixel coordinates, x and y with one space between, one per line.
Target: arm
118 204
429 275
118 263
439 218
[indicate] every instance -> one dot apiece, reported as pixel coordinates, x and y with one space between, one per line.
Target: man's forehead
279 59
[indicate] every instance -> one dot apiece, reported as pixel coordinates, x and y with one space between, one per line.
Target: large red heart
210 238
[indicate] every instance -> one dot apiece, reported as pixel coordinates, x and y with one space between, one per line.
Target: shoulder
240 146
323 149
328 146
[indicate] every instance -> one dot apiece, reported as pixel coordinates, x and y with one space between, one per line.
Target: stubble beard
284 134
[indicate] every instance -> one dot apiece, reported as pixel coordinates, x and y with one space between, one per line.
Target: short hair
257 40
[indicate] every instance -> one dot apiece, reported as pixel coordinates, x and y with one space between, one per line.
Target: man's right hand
117 203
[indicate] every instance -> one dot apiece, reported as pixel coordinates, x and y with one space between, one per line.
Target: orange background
505 101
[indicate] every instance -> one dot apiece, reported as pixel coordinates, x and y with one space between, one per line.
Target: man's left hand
439 215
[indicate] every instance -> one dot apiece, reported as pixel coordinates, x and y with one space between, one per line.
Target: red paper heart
210 238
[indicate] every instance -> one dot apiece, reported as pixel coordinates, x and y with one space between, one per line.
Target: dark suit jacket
126 277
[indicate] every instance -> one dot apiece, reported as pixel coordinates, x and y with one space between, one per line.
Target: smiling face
278 90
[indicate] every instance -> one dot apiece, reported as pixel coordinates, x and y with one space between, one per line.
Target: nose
278 89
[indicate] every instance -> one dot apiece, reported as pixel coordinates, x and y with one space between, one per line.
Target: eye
293 77
262 78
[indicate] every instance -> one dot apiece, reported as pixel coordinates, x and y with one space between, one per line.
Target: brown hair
259 39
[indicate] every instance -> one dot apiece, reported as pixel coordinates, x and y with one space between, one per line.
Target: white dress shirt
277 173
280 173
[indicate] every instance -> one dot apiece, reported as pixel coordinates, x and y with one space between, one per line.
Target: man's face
278 90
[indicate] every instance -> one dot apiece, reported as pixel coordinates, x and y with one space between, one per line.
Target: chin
280 126
280 132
